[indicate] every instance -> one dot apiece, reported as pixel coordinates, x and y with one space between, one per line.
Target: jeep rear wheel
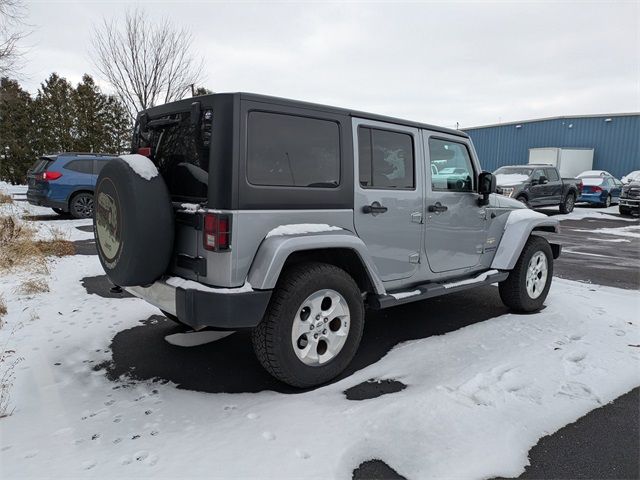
527 286
312 327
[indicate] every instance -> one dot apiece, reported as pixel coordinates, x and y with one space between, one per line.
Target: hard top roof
162 109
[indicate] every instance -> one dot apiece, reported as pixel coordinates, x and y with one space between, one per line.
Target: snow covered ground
477 399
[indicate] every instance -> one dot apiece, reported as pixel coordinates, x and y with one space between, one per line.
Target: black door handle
437 208
375 208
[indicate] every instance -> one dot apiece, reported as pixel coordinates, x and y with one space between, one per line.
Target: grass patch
18 246
4 198
31 287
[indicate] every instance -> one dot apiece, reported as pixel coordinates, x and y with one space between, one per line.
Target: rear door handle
437 208
375 208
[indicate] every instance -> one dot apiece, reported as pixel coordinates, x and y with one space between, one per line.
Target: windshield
180 148
513 170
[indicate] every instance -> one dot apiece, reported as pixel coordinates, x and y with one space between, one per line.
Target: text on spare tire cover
107 229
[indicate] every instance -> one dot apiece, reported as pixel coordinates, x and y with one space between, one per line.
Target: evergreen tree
89 133
117 126
16 132
55 116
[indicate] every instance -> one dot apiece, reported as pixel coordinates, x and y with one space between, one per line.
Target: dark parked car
538 186
630 199
66 181
600 190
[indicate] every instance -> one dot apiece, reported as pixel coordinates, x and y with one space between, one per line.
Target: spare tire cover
133 222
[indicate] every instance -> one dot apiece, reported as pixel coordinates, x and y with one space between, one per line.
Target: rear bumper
595 198
204 307
42 200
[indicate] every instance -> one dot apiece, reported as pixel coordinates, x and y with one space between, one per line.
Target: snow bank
141 165
477 399
632 231
301 228
190 284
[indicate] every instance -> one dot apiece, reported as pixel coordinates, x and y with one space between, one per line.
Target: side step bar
435 289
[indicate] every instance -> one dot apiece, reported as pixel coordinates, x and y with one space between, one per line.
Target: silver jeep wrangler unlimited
241 211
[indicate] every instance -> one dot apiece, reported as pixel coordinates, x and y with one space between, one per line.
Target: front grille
631 193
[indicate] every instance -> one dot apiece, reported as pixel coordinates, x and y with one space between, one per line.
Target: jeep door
455 225
388 202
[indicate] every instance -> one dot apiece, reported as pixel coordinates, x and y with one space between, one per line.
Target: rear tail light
51 175
217 232
145 151
596 189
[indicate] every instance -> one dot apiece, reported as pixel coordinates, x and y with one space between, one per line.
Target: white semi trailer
569 161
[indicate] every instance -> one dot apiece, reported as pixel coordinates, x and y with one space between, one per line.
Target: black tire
569 203
133 224
522 199
59 211
272 340
81 205
624 210
513 290
607 202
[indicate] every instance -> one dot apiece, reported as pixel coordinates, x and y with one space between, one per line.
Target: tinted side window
292 151
552 175
81 166
537 174
386 159
452 163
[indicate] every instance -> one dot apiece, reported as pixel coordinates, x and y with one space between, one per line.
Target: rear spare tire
133 221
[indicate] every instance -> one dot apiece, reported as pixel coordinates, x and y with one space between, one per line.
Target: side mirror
486 186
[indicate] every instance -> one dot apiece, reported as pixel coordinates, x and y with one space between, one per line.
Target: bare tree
12 15
145 63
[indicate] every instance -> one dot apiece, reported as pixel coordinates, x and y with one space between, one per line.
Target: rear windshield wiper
161 123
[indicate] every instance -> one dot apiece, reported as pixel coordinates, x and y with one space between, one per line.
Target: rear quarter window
292 151
80 166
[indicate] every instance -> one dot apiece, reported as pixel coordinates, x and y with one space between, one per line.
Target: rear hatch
178 142
37 186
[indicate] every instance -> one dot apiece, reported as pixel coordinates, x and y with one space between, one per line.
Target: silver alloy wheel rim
607 202
537 272
83 206
321 327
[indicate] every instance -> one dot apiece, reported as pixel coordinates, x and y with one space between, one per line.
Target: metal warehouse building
615 139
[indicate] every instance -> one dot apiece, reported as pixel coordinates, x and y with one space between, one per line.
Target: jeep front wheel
527 286
312 327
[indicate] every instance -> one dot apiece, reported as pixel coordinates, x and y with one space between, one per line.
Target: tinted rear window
40 165
292 151
593 181
180 149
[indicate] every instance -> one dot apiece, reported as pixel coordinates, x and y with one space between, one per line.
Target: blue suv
65 182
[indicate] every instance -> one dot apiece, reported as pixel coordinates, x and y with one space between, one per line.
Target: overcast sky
439 62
